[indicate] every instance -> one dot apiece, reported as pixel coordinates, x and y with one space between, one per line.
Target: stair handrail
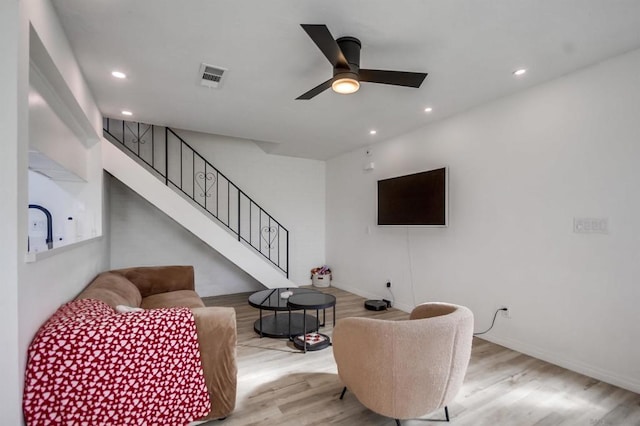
269 233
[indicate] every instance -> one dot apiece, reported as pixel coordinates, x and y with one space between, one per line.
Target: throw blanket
89 365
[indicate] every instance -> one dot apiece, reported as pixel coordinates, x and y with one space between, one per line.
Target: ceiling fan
344 56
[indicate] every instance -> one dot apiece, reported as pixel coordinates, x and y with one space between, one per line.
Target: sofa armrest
159 279
217 337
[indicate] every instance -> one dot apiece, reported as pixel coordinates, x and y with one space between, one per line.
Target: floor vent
211 76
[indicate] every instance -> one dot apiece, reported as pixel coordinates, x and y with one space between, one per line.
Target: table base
277 326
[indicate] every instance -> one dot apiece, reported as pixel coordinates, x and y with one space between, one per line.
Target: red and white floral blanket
88 365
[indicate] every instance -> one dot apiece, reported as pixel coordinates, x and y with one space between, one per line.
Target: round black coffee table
283 325
312 301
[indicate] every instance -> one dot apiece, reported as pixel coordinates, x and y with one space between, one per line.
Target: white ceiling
468 47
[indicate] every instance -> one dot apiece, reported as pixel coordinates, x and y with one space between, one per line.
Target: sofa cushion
113 289
172 299
159 279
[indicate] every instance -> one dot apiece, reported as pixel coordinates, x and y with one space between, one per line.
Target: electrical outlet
505 313
591 225
388 283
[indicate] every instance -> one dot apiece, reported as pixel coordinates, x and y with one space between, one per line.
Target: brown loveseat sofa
173 286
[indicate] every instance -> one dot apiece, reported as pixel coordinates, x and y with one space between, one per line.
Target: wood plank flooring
279 385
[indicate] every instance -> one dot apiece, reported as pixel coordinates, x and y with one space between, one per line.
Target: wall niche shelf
32 257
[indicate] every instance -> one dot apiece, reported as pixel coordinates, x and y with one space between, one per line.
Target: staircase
165 170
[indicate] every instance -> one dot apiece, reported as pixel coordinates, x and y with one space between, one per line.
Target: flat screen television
419 199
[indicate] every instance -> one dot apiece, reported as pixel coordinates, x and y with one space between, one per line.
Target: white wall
12 164
521 168
291 189
50 282
142 235
32 292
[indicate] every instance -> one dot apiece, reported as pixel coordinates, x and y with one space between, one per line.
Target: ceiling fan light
345 85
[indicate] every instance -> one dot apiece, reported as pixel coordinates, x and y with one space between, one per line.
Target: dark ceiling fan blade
316 90
326 43
397 78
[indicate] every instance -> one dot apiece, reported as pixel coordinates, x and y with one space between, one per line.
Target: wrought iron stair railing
183 169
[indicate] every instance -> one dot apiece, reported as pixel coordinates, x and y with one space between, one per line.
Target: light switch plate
590 225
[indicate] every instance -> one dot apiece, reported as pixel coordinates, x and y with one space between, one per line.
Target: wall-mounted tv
419 199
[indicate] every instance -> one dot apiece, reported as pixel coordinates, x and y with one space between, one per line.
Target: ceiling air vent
211 76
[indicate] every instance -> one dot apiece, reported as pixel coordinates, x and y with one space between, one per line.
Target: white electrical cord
413 291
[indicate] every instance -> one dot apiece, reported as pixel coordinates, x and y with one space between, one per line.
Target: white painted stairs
136 177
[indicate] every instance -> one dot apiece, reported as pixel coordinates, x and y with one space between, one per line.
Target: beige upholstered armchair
405 369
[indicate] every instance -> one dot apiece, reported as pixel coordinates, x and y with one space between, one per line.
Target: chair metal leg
397 422
343 392
446 412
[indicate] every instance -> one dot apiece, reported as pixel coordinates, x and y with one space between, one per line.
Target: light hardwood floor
279 385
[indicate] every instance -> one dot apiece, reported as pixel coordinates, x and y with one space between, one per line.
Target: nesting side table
312 301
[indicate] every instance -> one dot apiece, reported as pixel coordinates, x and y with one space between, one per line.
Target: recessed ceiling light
118 74
127 113
428 109
519 72
372 132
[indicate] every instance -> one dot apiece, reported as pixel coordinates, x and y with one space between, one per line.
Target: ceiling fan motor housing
350 47
339 74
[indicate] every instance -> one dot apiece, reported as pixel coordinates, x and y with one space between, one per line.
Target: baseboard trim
369 295
557 359
525 348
